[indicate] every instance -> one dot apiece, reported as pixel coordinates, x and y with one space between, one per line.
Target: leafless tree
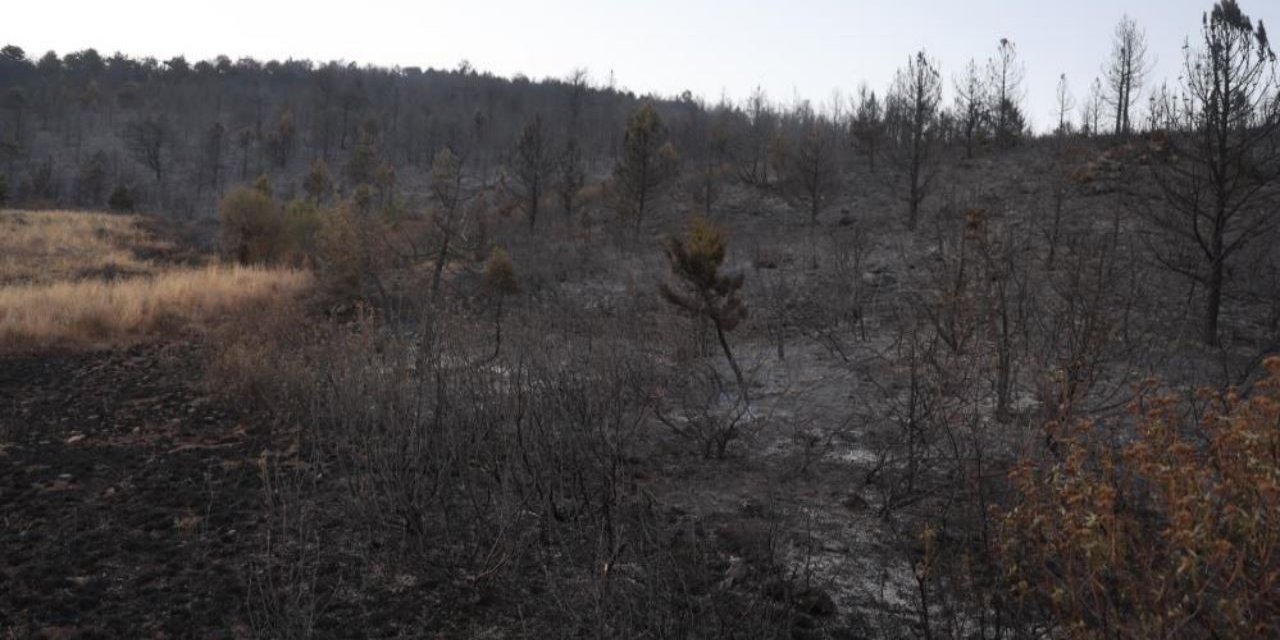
146 140
1126 72
1221 176
578 84
214 141
868 127
245 141
531 165
1006 77
972 106
15 101
1064 103
447 199
753 156
810 173
570 175
912 114
1091 110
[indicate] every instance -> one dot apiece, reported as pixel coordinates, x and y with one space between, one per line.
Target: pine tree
1221 175
447 195
121 200
810 175
702 290
531 165
867 127
913 121
753 152
1007 74
280 142
499 281
570 176
1126 72
648 164
972 107
363 160
318 183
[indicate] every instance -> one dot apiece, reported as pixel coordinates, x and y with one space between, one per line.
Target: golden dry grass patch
98 312
83 279
48 246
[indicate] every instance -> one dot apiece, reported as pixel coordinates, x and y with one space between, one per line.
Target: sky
796 49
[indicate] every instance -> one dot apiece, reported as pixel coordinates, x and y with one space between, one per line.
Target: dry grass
43 247
95 312
74 279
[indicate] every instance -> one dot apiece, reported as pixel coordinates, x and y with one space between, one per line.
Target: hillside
356 352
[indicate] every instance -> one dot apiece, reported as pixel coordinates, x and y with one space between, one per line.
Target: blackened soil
128 497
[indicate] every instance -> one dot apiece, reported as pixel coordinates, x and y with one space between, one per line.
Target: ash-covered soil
129 497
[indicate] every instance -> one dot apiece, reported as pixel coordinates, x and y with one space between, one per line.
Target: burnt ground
129 497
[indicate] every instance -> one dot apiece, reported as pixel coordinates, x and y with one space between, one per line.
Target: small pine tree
810 175
121 200
702 290
303 222
498 283
263 185
361 165
318 183
253 226
570 176
341 255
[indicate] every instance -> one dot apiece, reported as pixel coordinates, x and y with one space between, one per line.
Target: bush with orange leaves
1174 533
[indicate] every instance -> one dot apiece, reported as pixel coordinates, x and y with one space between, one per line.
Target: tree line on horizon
173 135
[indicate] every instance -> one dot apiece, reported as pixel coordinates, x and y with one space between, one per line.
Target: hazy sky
804 48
